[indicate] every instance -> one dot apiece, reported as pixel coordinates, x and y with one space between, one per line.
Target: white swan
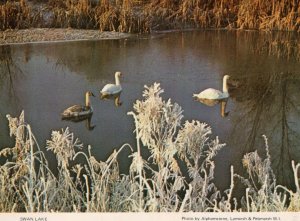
112 89
213 94
79 110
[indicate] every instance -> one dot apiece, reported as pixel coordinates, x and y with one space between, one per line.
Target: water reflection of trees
284 45
272 105
9 69
265 90
94 60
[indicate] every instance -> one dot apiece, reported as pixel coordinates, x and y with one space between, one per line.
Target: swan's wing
210 93
111 89
74 109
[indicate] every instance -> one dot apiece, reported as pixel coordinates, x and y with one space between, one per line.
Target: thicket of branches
146 16
155 184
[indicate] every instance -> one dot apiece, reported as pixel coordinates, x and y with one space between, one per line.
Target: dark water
44 79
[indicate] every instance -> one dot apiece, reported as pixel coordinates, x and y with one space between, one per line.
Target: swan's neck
117 80
87 100
225 88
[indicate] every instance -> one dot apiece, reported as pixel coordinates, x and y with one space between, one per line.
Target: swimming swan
79 110
112 89
213 94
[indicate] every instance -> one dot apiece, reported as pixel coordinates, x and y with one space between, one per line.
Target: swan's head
226 77
89 93
118 74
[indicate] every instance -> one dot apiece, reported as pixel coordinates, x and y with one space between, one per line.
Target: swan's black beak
225 114
93 94
91 127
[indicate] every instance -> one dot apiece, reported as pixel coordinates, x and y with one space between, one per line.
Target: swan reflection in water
211 103
77 112
211 96
115 97
87 119
113 91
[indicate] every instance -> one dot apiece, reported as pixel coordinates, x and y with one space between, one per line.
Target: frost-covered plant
66 194
22 145
156 184
158 126
294 204
62 143
106 189
24 177
262 192
197 150
157 122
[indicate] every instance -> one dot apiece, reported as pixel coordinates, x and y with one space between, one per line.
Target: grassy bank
140 16
156 184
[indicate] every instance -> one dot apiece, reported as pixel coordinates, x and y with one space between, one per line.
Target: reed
156 184
145 16
260 14
14 15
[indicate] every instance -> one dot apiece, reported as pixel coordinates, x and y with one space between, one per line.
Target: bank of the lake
13 36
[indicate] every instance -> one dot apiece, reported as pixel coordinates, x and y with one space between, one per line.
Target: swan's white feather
111 89
212 94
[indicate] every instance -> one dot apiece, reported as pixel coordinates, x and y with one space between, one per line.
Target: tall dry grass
145 16
14 15
155 184
274 15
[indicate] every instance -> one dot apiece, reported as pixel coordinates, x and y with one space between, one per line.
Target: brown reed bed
142 16
14 15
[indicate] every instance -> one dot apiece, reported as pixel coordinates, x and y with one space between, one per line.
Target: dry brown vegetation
14 15
145 16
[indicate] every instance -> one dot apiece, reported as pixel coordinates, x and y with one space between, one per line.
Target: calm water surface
44 79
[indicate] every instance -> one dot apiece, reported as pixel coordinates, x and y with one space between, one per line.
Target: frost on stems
263 194
158 121
62 143
22 181
197 149
17 129
160 130
155 185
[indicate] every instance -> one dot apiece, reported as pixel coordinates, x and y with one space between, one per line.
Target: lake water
44 79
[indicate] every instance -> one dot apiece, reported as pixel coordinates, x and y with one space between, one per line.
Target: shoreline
59 35
55 35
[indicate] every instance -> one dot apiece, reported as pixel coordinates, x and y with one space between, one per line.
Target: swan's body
110 90
213 94
77 110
